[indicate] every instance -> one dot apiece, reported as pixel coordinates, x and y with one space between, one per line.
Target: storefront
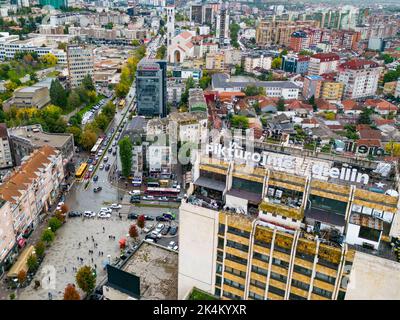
9 259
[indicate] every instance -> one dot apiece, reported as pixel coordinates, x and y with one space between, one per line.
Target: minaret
170 23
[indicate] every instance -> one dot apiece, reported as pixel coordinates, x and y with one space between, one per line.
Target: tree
58 95
204 81
48 236
86 279
386 58
252 90
365 116
40 249
76 132
54 224
161 51
76 120
141 221
276 63
74 100
305 53
109 110
393 148
21 277
313 103
234 31
70 293
133 233
49 59
135 42
32 263
283 53
280 104
240 122
101 121
62 46
87 83
125 153
88 139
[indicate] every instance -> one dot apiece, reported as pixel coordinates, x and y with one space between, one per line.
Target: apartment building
8 244
6 160
280 225
222 25
215 61
295 64
253 62
332 90
280 31
32 189
321 63
360 78
80 64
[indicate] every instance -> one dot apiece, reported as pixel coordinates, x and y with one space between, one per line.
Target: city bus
81 170
97 146
162 192
153 184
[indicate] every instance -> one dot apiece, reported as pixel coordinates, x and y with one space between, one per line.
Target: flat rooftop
38 137
157 268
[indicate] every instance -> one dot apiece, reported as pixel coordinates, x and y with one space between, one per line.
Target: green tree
76 132
87 83
283 53
74 101
109 110
40 248
88 139
135 42
76 120
48 236
240 122
276 63
125 153
58 95
305 53
32 263
86 279
101 121
49 59
185 95
54 224
205 80
161 51
365 116
234 31
251 90
280 104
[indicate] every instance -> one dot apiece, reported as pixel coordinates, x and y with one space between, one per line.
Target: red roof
369 142
381 122
370 134
358 64
325 57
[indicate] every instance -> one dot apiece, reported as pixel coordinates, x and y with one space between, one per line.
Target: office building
295 64
80 63
56 4
360 78
151 88
273 223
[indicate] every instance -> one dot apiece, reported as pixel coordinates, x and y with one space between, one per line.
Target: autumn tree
141 221
88 139
21 276
133 233
86 279
49 59
64 208
70 292
276 63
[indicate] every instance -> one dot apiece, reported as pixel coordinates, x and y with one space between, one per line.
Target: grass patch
90 105
197 294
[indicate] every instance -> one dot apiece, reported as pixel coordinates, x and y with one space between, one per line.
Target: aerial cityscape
199 150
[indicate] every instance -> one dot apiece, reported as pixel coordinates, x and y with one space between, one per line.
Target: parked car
173 230
110 150
101 167
59 205
114 152
91 168
104 215
159 227
73 214
147 228
97 189
135 199
165 231
115 206
94 162
114 143
161 218
169 216
87 175
133 216
134 192
171 245
148 218
90 160
105 159
95 178
148 198
107 167
89 214
156 234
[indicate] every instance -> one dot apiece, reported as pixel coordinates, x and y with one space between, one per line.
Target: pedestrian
65 269
104 229
77 258
92 260
87 238
95 266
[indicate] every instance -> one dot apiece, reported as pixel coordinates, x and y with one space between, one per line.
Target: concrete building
332 90
8 244
197 102
253 62
175 88
215 61
321 63
24 140
360 78
190 127
284 231
286 89
35 96
222 25
151 88
80 64
170 24
6 160
33 188
295 64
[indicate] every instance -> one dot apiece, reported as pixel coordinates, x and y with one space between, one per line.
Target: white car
115 206
156 234
59 205
91 168
171 245
89 214
159 227
134 192
148 198
148 228
106 210
104 215
101 167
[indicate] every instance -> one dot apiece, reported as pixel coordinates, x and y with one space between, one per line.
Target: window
220 243
236 259
219 268
220 256
300 284
322 292
262 243
260 256
279 277
293 296
277 291
369 234
236 245
233 284
231 296
302 270
280 263
221 229
324 277
217 292
238 273
255 296
238 232
218 280
257 284
259 270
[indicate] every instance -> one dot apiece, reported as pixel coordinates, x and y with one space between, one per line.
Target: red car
94 162
87 175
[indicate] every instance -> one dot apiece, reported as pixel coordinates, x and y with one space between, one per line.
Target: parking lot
73 242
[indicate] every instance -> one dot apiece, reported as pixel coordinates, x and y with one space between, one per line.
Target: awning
20 264
21 242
